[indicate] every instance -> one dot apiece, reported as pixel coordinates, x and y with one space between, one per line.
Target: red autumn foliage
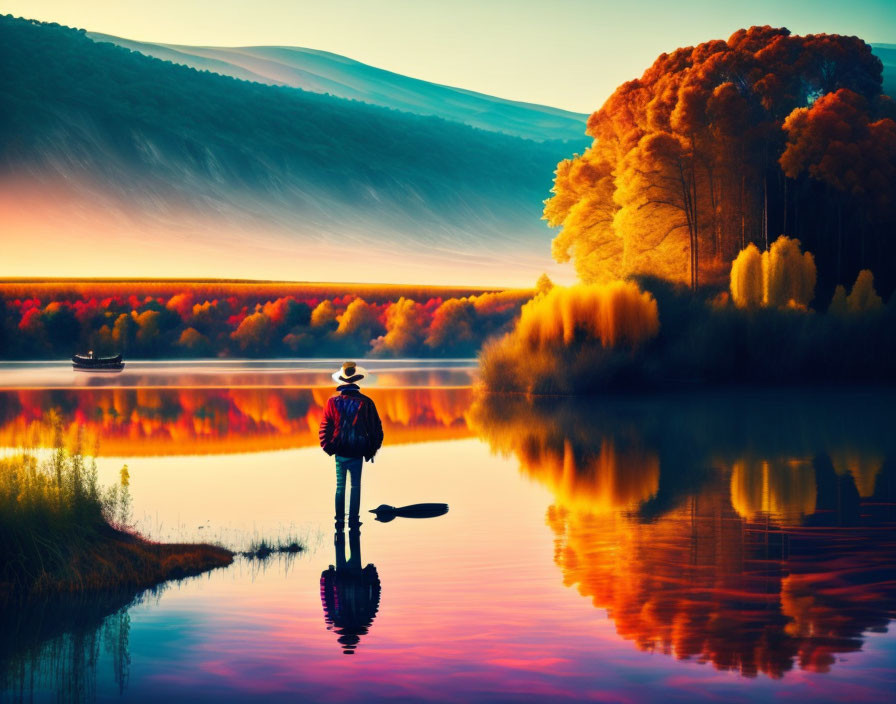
158 319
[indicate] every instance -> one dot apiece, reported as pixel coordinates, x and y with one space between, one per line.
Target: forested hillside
179 154
323 72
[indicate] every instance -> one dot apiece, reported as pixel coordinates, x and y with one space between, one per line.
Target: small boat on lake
91 363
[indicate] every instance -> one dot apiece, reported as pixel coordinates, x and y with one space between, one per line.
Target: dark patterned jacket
351 426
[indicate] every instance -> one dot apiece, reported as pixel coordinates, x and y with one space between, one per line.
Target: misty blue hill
323 72
887 54
165 148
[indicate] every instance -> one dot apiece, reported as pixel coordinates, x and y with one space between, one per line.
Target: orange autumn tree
684 169
836 142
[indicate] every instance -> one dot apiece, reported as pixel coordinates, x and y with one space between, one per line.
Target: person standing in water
351 430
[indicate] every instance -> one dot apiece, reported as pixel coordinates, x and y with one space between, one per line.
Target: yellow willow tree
746 278
788 275
862 299
657 194
584 208
783 276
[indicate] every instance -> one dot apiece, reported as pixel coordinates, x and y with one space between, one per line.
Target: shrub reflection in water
755 535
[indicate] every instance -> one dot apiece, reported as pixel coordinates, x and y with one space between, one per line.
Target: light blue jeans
353 466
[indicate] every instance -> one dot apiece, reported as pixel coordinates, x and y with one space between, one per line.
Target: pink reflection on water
541 583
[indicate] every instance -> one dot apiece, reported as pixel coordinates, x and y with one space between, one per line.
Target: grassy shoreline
116 559
60 533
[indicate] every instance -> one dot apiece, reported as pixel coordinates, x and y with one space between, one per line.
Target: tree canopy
732 142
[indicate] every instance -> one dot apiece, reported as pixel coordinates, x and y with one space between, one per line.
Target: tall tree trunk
688 185
743 214
839 241
696 235
862 244
785 204
714 222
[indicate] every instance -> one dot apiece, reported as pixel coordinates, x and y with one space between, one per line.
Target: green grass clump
263 549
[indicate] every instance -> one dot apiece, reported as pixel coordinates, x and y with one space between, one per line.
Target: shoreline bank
114 560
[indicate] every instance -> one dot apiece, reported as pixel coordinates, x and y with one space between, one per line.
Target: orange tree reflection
756 537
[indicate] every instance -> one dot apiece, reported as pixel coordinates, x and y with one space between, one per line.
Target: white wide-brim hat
340 377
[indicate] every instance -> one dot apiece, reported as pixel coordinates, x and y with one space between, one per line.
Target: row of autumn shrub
187 324
649 333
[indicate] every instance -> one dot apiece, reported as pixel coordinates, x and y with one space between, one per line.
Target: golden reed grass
578 332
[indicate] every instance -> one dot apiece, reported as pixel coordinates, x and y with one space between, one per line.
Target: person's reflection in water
349 593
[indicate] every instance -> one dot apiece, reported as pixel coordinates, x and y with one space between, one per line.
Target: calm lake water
680 547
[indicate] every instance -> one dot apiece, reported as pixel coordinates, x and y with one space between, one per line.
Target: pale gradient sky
566 53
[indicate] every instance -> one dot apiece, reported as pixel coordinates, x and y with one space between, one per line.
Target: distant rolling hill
887 54
113 163
323 72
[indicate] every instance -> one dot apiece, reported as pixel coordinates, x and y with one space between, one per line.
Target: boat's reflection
756 538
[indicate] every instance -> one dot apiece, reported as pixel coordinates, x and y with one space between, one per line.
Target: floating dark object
385 513
92 363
